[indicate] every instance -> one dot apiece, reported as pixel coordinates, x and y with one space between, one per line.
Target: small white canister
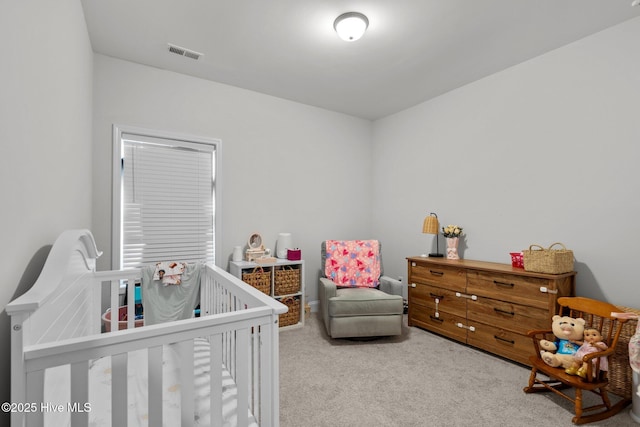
284 242
237 254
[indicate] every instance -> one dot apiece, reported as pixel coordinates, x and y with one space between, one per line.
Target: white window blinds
167 201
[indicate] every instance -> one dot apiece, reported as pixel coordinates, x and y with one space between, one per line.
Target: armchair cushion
364 302
353 263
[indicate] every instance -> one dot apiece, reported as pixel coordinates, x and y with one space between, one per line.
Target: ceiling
412 51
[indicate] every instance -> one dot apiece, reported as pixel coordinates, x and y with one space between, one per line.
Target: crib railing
220 293
239 322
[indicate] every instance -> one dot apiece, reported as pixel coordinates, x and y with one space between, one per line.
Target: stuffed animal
568 332
592 344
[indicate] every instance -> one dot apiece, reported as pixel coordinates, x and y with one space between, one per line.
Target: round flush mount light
351 26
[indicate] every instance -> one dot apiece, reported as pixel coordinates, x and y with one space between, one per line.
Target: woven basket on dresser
548 260
287 281
292 316
619 367
259 279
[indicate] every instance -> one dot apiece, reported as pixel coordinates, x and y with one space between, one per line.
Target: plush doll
592 344
568 332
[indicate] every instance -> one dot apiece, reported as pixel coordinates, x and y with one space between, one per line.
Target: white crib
225 362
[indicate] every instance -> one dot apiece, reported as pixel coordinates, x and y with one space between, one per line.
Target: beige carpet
416 379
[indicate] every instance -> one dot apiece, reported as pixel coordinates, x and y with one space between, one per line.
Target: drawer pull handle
435 318
436 273
512 342
434 296
470 328
510 313
472 297
506 285
544 289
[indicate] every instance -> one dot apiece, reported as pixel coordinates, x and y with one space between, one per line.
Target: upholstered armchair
356 300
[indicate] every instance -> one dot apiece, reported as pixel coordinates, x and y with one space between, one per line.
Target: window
164 198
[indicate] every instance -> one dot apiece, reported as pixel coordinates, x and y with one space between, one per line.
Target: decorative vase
452 248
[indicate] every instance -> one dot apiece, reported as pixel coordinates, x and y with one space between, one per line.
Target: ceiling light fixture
351 26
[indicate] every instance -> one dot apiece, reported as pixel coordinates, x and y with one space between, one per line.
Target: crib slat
266 375
230 360
255 361
215 380
35 393
79 393
186 382
205 295
155 385
226 356
131 302
115 304
95 311
242 377
119 389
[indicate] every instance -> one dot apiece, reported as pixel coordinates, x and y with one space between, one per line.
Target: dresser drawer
433 298
444 323
501 342
442 276
506 315
510 287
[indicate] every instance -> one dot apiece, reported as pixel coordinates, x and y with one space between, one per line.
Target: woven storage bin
619 367
287 281
259 279
549 260
292 316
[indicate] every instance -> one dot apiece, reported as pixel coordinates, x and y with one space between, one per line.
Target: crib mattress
57 391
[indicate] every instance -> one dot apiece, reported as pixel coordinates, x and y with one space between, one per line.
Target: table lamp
432 226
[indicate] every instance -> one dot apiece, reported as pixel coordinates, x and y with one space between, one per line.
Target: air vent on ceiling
184 52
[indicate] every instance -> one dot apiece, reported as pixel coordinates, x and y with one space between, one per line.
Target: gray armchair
360 311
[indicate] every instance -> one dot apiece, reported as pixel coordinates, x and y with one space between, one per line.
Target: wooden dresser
484 304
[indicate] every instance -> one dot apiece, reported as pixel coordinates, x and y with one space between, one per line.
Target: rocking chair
597 315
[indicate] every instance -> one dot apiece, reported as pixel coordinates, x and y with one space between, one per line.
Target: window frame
180 140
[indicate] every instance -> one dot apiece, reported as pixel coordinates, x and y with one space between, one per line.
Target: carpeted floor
416 379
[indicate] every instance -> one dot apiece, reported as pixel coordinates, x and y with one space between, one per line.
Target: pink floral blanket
353 263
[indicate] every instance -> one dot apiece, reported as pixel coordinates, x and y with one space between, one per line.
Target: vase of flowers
452 234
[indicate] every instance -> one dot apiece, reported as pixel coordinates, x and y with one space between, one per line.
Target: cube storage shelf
285 284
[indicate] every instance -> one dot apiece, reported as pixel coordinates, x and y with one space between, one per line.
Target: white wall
286 167
45 129
542 152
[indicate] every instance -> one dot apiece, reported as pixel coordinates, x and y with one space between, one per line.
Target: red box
294 254
517 259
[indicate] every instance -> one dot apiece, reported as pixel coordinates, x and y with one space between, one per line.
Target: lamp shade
431 225
351 26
